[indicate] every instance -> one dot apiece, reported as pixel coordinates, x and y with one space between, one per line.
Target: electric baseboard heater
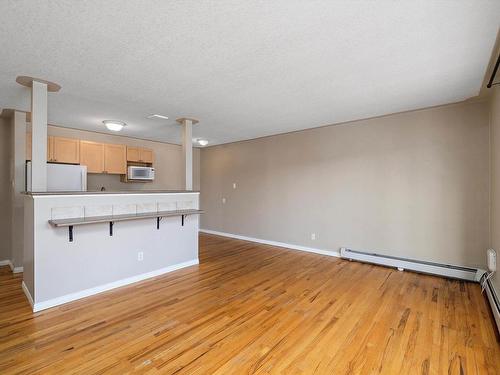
456 272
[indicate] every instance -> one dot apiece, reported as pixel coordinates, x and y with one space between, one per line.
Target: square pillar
187 150
39 136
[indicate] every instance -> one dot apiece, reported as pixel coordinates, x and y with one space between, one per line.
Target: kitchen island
81 243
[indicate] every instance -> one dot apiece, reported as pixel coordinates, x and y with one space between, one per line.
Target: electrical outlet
140 256
234 185
223 200
313 236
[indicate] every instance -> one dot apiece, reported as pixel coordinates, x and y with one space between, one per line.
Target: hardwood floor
250 308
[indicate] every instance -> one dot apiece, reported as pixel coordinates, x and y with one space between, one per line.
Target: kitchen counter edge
128 192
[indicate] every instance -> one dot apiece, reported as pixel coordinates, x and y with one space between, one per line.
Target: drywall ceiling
245 68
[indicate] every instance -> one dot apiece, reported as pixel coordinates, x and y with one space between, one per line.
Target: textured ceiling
245 68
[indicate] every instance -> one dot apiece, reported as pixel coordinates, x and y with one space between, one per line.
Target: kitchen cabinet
146 155
92 155
139 154
98 157
133 154
103 158
64 150
115 159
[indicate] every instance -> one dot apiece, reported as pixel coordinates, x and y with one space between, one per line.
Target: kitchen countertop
124 192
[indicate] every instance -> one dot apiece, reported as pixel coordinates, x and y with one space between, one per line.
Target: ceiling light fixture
202 142
158 116
114 125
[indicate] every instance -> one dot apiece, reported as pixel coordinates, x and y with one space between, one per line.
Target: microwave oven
140 173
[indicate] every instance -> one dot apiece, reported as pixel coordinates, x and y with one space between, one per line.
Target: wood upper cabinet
64 150
98 157
139 154
146 155
115 159
103 158
92 155
133 154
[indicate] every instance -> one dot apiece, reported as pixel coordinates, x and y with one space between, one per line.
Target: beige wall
5 189
414 184
168 162
495 176
18 172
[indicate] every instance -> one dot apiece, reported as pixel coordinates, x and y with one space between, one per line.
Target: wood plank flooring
250 308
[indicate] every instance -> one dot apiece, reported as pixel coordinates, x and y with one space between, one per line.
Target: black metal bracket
158 219
70 232
182 220
111 228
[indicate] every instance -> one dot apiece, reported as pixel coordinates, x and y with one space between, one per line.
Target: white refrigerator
62 177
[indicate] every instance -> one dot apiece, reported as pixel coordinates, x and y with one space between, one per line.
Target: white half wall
96 261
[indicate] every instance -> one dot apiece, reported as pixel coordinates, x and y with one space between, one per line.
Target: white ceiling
245 68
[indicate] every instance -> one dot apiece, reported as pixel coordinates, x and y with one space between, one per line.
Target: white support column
187 150
39 136
187 153
39 88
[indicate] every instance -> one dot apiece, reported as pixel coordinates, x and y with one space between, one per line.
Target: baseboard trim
9 263
27 293
494 301
38 306
273 243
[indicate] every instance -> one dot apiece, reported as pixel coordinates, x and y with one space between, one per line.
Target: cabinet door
66 150
92 155
115 159
50 148
146 155
133 154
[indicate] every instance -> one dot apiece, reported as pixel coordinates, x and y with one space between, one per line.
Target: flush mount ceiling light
158 116
202 142
114 125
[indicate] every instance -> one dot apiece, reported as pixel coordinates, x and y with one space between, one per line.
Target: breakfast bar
82 243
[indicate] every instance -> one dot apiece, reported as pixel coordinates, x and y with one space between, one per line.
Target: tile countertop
124 192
